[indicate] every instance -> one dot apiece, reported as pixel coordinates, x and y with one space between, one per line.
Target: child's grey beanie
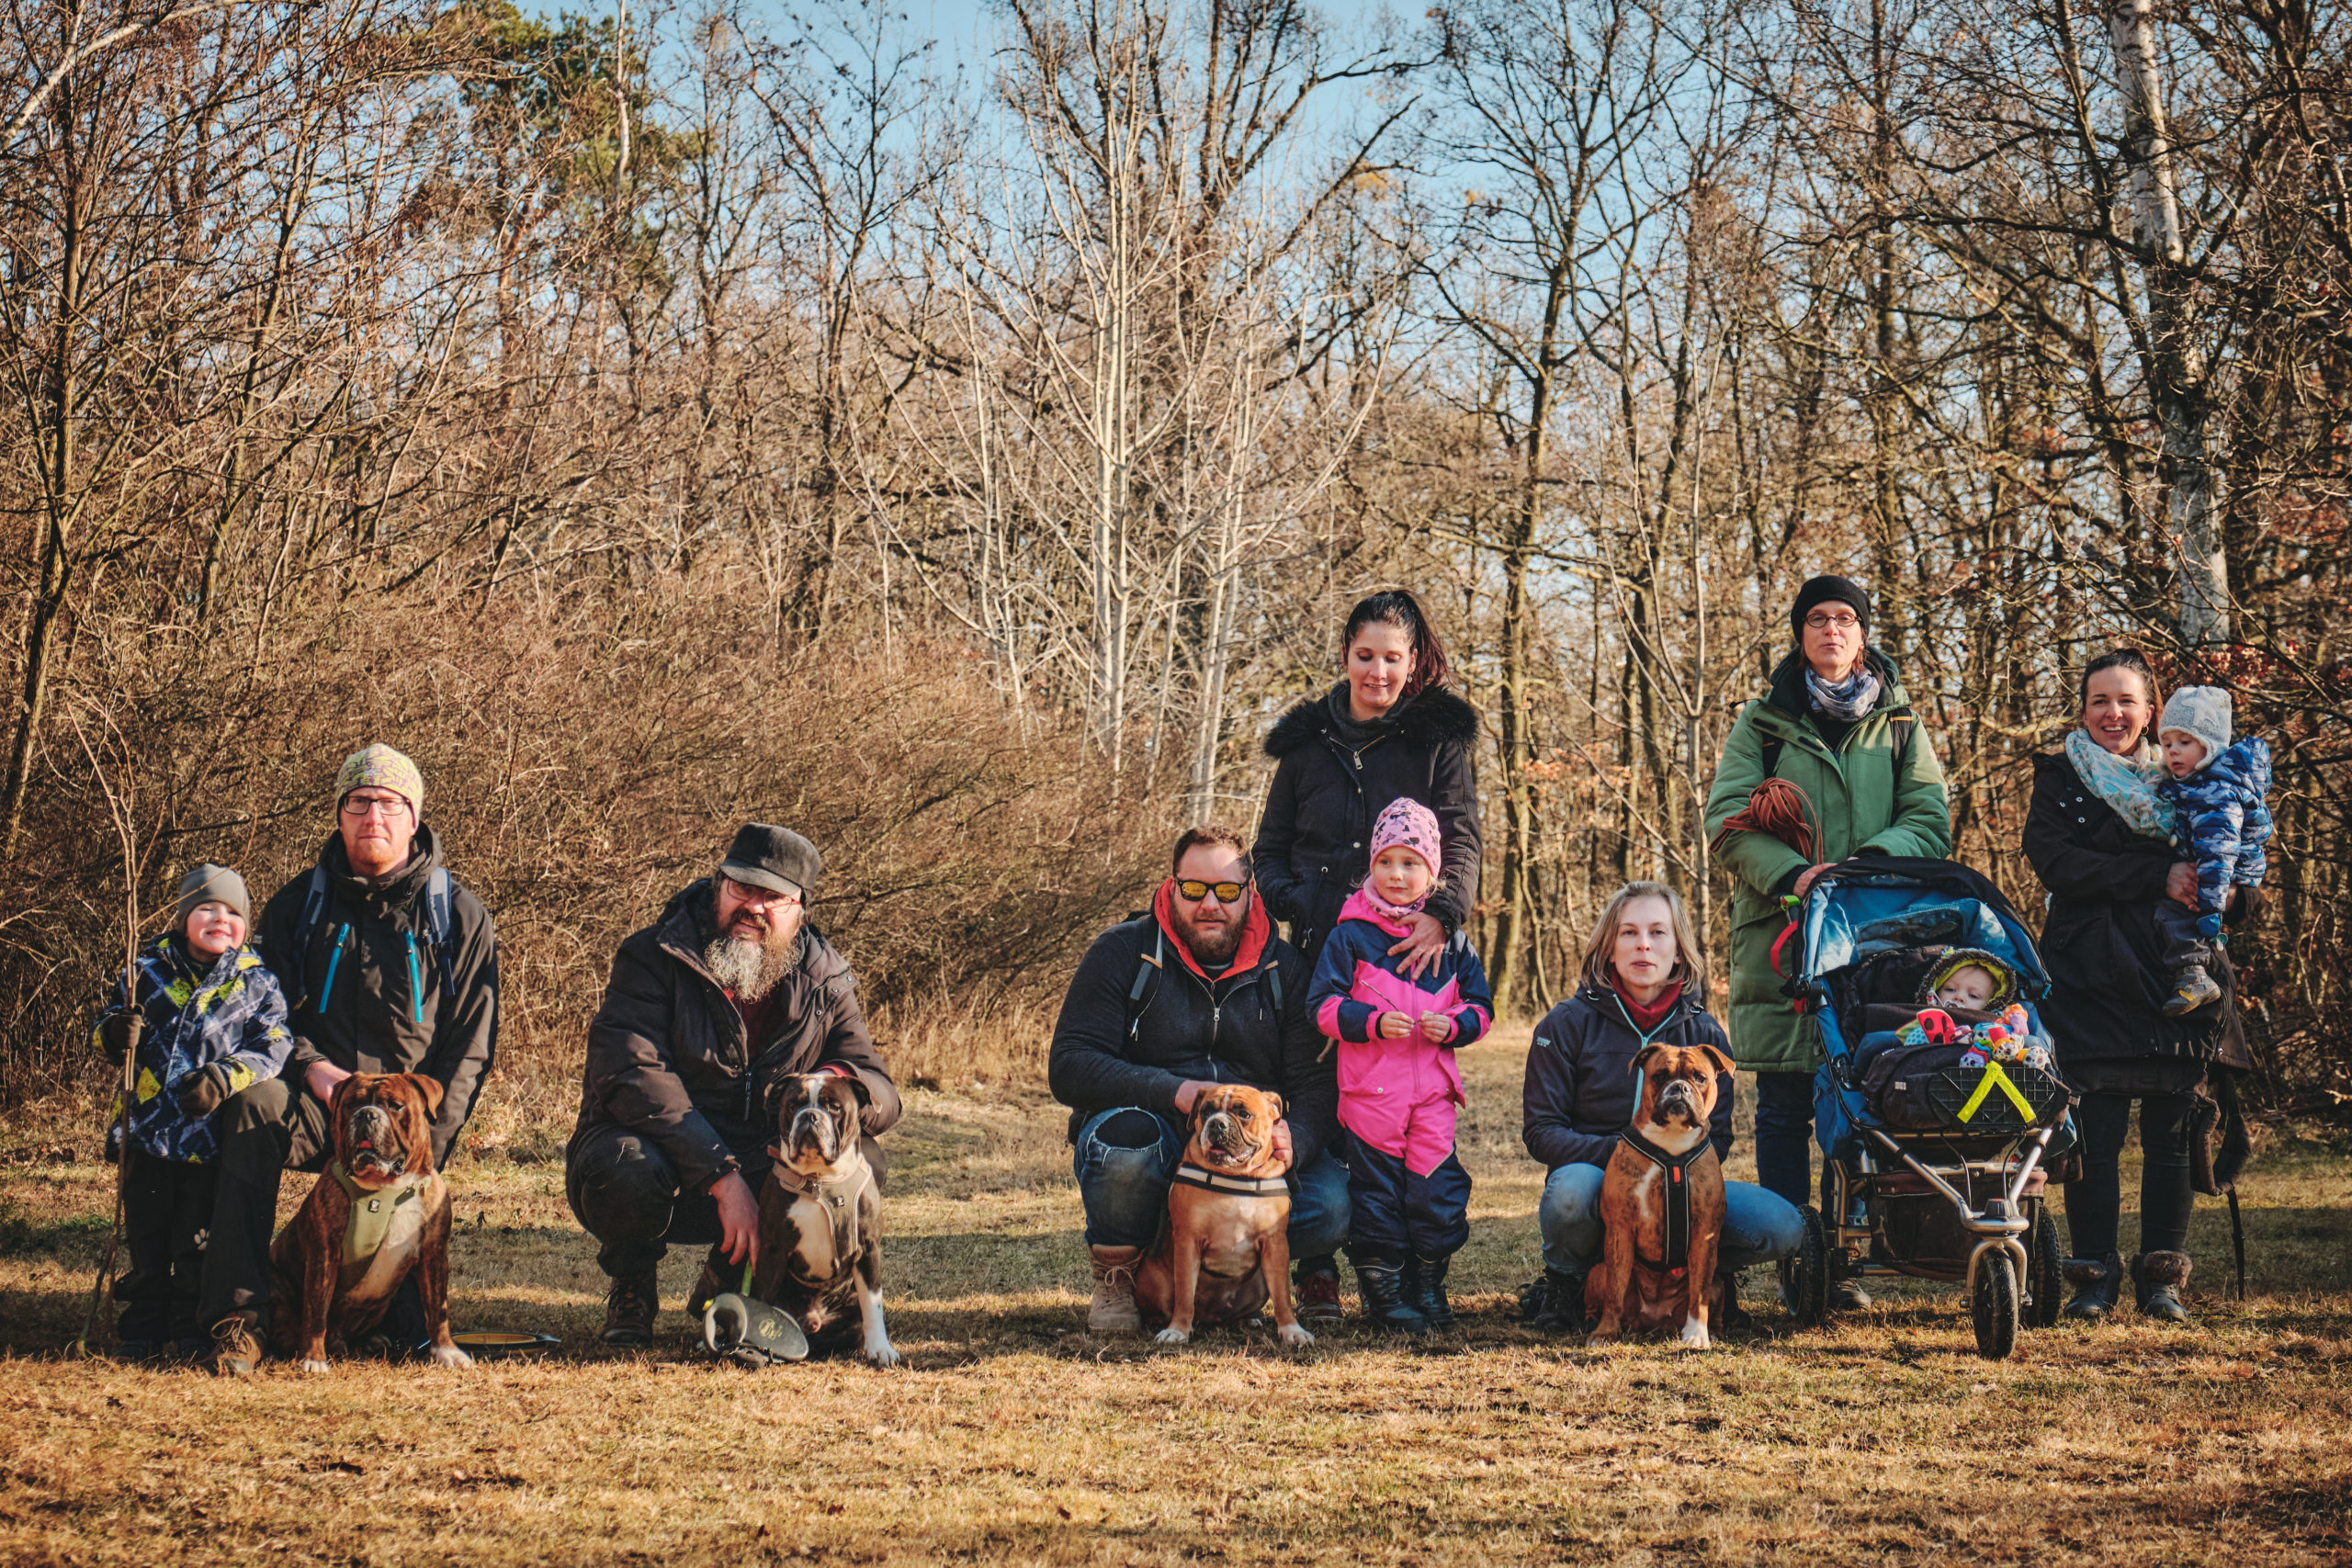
210 883
2202 711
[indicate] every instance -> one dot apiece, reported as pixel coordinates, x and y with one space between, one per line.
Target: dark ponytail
1396 607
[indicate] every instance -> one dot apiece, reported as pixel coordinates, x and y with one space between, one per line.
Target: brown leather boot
1114 1309
236 1345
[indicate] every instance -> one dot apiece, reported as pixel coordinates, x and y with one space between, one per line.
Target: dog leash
1677 1196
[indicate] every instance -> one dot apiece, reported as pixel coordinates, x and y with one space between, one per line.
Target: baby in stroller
1968 997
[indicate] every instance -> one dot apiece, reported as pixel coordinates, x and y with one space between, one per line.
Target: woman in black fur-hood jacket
1389 730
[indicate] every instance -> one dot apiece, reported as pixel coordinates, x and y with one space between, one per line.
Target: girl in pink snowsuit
1399 1086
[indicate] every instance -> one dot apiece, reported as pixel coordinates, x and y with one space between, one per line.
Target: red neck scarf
1646 1018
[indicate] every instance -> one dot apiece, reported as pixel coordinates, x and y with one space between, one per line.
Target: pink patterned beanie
1409 825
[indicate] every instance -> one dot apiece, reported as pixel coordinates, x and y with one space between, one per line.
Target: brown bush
581 766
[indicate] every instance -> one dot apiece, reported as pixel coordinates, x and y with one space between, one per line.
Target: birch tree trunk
2175 364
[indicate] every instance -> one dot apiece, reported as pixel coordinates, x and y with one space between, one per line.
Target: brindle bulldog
379 1213
1662 1204
820 1215
1226 1247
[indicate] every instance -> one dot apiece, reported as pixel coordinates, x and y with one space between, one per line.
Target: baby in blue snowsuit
2221 819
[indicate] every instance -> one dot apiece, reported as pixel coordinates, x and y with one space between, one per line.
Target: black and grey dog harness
1677 1197
838 1198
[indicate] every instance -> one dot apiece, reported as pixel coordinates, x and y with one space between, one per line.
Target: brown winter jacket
667 1057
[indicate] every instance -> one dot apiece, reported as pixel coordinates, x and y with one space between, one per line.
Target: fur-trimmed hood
1430 718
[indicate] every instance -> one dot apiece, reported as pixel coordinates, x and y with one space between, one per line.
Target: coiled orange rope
1780 809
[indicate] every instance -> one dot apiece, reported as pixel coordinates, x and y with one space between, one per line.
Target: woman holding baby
2127 1023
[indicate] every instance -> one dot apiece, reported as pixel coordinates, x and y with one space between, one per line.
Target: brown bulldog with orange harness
380 1211
1662 1204
1225 1248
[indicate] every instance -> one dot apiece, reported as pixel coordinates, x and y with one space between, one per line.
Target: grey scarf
1850 700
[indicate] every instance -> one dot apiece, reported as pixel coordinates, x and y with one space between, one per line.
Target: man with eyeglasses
389 967
1199 991
709 1009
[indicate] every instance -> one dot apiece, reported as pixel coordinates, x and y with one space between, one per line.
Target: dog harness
370 1217
1189 1174
837 1198
1677 1197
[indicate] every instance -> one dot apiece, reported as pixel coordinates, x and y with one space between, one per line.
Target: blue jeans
1759 1227
1125 1159
1784 1134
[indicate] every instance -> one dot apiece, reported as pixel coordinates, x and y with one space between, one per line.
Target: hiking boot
1561 1309
2192 989
2157 1276
236 1349
1848 1295
1429 1291
1113 1309
1314 1291
1734 1319
630 1302
1381 1286
2095 1286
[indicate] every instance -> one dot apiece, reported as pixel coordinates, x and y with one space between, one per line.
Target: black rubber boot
2158 1278
2097 1284
1429 1292
1561 1310
1379 1282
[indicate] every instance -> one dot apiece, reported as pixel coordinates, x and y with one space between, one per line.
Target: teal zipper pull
333 958
417 994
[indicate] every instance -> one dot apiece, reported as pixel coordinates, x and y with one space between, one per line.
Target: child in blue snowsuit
1399 1082
212 1025
2218 793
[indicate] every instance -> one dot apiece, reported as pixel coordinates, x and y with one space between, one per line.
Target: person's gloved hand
201 1093
114 1036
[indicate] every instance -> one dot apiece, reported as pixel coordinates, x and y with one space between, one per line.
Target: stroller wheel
1994 1305
2046 1276
1804 1274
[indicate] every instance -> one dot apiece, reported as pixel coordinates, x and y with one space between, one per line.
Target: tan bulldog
1225 1250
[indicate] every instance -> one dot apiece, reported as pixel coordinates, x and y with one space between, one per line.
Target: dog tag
375 1205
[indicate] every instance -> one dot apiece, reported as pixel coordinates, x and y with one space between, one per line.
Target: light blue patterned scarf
2128 784
1850 700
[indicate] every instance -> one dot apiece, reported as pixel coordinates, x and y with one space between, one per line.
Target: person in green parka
1836 724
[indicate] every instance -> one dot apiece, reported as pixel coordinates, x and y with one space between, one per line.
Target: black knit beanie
1828 591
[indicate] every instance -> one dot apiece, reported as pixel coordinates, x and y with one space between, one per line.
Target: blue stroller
1932 1169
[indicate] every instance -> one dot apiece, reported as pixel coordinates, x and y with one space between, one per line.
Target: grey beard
747 969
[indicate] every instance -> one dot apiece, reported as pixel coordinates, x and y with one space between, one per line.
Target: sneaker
1315 1293
1113 1309
236 1349
630 1303
2192 989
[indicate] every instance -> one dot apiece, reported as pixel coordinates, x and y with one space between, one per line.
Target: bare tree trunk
2176 366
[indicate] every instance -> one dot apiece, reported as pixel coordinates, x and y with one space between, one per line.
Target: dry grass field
1012 1436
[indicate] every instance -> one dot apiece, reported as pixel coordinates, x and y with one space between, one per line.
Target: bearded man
708 1009
1196 993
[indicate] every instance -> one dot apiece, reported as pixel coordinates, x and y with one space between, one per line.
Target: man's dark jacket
667 1057
1223 1030
2101 945
1328 792
389 1010
1580 1081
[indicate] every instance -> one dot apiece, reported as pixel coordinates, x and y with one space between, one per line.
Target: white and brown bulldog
820 1213
379 1213
1662 1204
1225 1249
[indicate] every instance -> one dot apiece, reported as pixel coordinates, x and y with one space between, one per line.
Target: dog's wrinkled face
817 1119
1233 1125
1679 1083
383 1126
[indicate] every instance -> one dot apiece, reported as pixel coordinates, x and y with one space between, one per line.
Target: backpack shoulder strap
1147 968
314 908
441 927
1904 724
1273 975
